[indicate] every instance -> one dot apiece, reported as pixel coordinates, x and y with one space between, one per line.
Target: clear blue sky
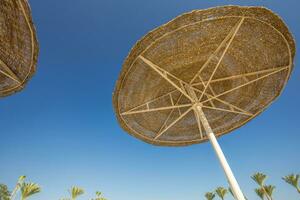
61 130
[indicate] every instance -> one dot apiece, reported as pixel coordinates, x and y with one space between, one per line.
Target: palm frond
259 178
98 194
293 180
260 192
269 190
210 195
29 189
75 192
221 192
18 186
4 192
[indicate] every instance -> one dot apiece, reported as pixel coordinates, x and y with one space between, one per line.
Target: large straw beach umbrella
18 46
202 75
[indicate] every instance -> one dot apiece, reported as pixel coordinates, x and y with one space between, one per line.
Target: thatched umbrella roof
18 46
233 60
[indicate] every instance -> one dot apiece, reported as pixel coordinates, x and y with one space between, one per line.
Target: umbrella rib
10 74
245 84
171 112
148 102
239 76
215 52
155 109
226 110
211 102
164 74
174 122
223 54
224 102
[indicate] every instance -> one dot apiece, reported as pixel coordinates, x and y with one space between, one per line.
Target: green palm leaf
75 192
18 186
4 192
210 195
221 192
29 189
260 192
293 180
259 178
99 196
269 190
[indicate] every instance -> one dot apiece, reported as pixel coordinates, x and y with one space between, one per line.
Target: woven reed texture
233 60
18 46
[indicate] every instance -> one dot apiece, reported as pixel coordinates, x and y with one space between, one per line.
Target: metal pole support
230 177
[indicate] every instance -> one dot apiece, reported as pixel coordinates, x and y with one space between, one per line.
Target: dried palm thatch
18 46
233 61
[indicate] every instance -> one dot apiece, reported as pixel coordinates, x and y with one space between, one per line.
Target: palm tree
260 178
18 186
99 196
210 195
269 190
260 192
75 192
4 192
293 179
221 192
29 189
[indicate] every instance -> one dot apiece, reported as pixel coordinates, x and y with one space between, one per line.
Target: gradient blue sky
61 130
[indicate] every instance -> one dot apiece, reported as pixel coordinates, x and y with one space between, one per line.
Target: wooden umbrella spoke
164 74
245 84
171 112
155 109
152 100
226 110
239 76
224 102
211 102
8 72
172 124
228 36
223 54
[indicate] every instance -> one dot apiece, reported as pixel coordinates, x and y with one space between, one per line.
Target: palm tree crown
260 192
210 195
259 178
4 192
293 180
28 189
221 192
18 186
269 190
75 192
99 196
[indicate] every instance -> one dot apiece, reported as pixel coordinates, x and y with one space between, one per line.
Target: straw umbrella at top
18 46
203 75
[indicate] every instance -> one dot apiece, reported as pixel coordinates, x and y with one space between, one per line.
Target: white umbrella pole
231 179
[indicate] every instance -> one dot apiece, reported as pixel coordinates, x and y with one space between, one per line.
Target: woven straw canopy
18 46
233 61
